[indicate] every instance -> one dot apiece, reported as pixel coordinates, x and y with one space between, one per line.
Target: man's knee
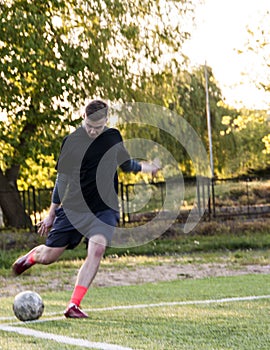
100 250
97 245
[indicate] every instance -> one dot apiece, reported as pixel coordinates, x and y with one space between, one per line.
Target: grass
238 325
211 243
241 325
207 237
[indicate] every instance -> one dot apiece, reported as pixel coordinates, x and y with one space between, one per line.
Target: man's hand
45 225
157 164
152 167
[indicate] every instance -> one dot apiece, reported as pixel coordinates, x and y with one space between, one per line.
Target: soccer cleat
21 264
73 311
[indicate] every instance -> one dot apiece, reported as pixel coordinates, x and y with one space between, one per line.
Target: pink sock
31 258
78 294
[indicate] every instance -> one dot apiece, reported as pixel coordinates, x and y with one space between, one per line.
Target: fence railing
219 198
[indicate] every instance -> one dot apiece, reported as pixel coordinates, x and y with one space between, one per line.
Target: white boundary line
179 303
62 339
142 306
105 346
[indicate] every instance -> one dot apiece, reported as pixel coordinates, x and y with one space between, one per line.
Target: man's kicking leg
39 255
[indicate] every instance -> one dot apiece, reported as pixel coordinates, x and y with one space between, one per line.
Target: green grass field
187 314
228 313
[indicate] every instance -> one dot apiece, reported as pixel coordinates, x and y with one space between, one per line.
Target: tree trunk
10 201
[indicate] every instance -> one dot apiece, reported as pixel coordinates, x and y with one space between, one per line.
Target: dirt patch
145 274
64 279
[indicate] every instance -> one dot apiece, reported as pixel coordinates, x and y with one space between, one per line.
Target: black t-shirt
87 170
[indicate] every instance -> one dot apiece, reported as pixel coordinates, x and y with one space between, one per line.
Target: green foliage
183 92
266 141
39 174
192 106
57 54
248 130
257 47
33 78
238 136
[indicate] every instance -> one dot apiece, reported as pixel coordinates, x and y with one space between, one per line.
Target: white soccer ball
28 306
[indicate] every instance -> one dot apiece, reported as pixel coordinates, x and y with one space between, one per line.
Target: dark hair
96 110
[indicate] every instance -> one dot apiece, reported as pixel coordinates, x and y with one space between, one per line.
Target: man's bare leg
86 275
95 252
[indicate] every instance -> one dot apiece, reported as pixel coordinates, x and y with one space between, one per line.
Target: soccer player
84 200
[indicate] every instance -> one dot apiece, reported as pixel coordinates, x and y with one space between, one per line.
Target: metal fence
246 196
142 201
36 202
213 198
219 198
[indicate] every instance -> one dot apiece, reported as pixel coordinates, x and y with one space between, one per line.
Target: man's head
95 118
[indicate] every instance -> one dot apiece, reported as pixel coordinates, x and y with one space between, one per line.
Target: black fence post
127 199
248 199
34 206
198 194
213 196
39 203
122 202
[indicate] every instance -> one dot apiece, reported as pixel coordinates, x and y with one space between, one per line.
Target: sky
221 29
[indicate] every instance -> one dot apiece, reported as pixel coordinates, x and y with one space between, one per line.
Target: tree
183 92
257 52
236 134
56 54
247 128
257 49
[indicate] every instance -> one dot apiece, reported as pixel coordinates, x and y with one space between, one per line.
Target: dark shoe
74 311
21 265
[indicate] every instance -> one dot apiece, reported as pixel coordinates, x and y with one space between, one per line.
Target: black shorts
63 233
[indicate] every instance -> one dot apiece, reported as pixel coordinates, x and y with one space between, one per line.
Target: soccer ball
28 306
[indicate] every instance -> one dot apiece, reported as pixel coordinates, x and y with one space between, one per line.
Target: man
84 201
